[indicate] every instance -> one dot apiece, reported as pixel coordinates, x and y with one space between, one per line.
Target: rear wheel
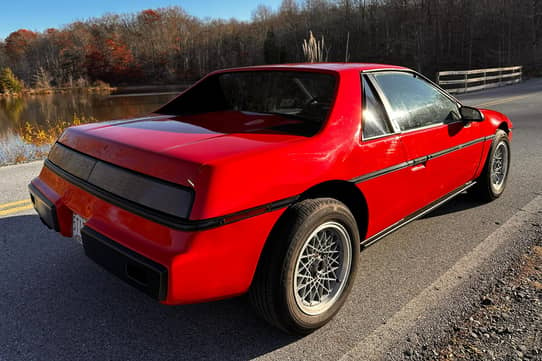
491 183
308 266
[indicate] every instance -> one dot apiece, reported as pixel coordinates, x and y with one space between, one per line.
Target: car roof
334 67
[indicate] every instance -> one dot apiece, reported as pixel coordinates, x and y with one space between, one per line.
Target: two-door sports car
268 180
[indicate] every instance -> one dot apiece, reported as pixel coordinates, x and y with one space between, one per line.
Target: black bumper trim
44 207
133 268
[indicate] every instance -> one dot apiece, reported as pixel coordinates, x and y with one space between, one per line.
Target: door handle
418 163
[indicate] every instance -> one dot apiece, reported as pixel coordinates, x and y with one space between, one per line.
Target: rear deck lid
174 148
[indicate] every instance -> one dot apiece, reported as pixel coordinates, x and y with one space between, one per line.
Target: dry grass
32 142
531 265
42 135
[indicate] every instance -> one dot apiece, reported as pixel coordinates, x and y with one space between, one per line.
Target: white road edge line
374 346
31 163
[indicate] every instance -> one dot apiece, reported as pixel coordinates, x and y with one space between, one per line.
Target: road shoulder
429 317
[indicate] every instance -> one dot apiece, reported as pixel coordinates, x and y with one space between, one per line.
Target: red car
268 180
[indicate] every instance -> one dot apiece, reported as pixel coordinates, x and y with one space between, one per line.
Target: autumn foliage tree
111 61
18 42
168 45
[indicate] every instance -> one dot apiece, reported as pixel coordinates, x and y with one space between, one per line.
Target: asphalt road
57 304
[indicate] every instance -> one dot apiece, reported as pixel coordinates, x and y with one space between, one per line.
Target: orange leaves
110 60
18 41
149 16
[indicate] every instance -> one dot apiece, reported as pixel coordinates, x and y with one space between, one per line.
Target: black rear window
304 96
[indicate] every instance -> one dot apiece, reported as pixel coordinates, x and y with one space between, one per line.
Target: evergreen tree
9 82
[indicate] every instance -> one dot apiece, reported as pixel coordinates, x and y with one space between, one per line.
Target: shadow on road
460 203
57 304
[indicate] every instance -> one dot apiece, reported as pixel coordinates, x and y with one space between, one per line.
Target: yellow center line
11 204
16 209
504 100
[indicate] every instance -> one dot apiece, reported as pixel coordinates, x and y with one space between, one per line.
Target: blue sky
39 15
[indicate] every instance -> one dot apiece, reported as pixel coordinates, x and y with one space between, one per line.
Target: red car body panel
237 167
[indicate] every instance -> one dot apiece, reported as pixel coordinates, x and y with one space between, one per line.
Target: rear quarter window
374 117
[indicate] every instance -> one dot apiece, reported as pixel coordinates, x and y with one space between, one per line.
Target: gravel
502 321
508 323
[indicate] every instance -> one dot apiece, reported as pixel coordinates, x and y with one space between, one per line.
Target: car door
444 152
380 158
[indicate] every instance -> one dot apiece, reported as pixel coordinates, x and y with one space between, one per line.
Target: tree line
168 45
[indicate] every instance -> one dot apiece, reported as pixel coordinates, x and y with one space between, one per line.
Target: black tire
485 188
272 292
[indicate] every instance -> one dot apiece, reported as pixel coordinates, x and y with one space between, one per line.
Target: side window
414 102
375 122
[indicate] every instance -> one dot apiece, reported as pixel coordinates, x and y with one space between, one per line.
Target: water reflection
30 124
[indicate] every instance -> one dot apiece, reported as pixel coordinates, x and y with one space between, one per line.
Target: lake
29 125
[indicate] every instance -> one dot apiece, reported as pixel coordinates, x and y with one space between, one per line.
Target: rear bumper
44 207
135 269
141 272
171 265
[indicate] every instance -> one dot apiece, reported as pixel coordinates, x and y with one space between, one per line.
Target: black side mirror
470 114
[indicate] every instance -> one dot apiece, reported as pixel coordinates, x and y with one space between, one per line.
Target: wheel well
504 127
346 193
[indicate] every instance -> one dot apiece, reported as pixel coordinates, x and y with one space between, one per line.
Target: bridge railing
462 81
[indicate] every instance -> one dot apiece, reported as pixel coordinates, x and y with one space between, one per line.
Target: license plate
77 224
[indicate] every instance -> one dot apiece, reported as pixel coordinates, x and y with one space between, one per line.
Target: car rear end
180 204
136 223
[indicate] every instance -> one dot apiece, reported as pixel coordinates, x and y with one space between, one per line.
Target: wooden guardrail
463 81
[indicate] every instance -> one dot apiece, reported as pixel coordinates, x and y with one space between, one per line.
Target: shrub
9 82
101 84
42 135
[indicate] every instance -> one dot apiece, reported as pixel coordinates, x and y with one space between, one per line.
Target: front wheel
491 183
308 266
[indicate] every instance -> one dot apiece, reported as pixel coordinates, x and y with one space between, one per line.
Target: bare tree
168 45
